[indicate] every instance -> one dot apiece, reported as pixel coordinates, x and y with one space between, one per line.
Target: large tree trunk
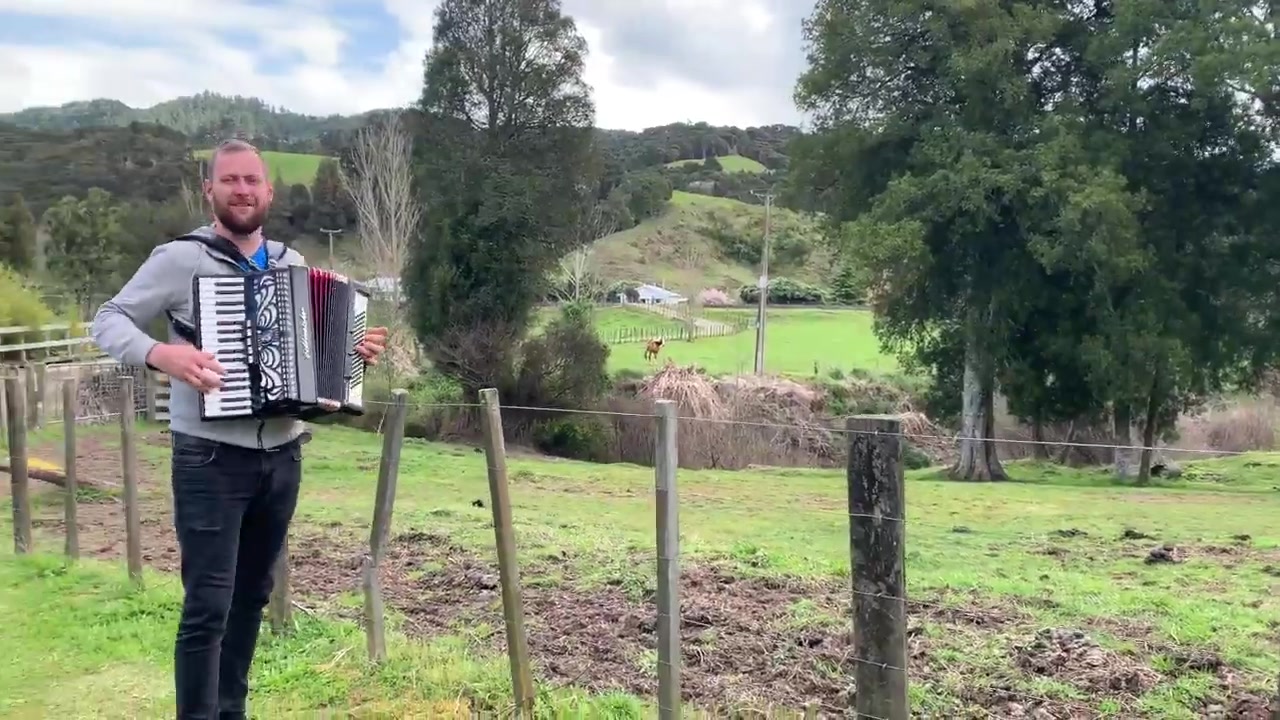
979 460
1039 450
1149 431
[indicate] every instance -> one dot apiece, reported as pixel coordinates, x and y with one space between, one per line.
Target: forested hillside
671 195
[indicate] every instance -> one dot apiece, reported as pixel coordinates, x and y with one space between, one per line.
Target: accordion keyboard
223 308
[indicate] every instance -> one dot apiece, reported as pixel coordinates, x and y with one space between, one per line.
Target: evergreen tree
17 235
506 162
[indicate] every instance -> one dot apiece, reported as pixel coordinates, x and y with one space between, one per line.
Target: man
235 482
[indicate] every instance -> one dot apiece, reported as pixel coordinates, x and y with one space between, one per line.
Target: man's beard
230 221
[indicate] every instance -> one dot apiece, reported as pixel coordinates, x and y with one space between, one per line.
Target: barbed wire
823 428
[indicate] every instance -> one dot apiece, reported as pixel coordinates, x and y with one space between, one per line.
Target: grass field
730 163
1033 596
293 167
796 342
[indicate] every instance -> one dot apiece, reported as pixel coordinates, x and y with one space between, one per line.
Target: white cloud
292 55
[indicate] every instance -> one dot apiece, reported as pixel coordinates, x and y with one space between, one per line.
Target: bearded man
235 481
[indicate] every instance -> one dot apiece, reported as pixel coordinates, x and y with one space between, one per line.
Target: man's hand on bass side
373 345
189 364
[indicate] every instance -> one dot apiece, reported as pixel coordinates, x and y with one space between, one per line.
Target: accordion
286 338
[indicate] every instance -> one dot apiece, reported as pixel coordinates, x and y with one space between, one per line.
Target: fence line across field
876 517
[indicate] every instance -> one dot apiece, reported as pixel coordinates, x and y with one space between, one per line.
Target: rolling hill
703 242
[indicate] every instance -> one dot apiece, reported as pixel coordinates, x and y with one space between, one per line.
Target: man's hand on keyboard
189 364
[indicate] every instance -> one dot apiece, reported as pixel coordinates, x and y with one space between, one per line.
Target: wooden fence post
4 407
69 465
42 395
32 395
380 529
508 573
668 525
129 458
18 480
280 604
877 551
152 382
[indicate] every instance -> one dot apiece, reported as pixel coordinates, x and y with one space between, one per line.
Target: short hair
226 147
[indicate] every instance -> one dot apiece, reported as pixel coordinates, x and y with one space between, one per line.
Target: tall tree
507 169
86 243
17 235
331 204
1066 197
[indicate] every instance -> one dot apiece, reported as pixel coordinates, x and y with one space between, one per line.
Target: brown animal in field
652 348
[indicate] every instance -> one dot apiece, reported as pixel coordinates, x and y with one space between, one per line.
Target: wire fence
879 655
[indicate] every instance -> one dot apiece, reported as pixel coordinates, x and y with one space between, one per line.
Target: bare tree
576 279
381 186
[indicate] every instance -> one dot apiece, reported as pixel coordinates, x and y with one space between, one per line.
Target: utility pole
331 233
764 280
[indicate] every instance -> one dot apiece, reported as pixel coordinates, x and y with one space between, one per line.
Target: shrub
579 438
785 291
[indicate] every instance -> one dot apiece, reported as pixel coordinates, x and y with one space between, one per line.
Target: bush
587 438
785 291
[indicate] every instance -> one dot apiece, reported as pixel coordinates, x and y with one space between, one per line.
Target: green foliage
711 164
17 234
331 204
565 366
847 286
580 438
785 291
1083 230
22 305
205 117
504 184
740 238
137 162
643 195
86 238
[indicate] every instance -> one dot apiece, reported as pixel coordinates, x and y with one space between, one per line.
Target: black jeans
232 509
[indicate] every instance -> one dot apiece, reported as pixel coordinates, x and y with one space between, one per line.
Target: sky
651 62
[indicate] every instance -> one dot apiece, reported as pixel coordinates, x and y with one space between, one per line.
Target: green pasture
989 566
293 167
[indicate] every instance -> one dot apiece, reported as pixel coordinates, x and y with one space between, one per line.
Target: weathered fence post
69 465
877 550
508 573
129 458
280 604
152 383
4 407
665 463
32 395
42 395
18 480
380 528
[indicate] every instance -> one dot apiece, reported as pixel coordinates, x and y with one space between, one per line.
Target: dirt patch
1071 655
747 642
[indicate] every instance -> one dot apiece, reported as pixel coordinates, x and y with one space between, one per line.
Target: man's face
239 191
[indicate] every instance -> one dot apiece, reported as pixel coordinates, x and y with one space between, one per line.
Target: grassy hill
730 163
293 167
685 247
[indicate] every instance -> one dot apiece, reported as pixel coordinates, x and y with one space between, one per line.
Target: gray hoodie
162 287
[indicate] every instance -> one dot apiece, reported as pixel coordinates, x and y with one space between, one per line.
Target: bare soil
749 643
